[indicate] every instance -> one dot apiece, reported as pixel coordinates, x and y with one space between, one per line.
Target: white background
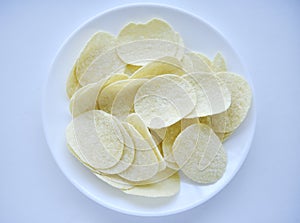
266 34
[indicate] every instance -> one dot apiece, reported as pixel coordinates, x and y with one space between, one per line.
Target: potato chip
85 99
141 42
165 65
192 63
136 121
72 83
114 78
159 106
186 122
223 136
130 69
109 180
213 96
171 133
218 64
96 139
79 157
145 164
205 59
153 29
118 98
127 156
159 133
241 97
200 154
181 49
102 67
158 177
99 44
165 188
142 52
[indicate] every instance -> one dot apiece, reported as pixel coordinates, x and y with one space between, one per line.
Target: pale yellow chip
118 98
165 65
158 177
110 180
164 100
218 64
161 175
141 52
77 156
130 69
241 97
192 63
135 120
213 96
72 83
127 156
96 138
205 59
153 29
138 43
159 133
145 164
166 188
199 153
103 66
99 44
171 133
85 99
186 122
114 78
181 48
224 136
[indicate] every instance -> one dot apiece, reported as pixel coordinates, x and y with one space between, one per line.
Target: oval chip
218 64
241 97
136 121
102 67
118 98
127 156
85 99
193 63
165 65
110 180
72 83
164 100
145 164
199 154
99 44
141 42
213 96
165 188
96 139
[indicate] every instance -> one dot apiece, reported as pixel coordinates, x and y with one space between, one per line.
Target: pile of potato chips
144 108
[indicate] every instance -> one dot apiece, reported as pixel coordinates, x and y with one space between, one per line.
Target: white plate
197 35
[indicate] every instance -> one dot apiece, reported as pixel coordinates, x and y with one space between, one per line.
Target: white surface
56 114
266 189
